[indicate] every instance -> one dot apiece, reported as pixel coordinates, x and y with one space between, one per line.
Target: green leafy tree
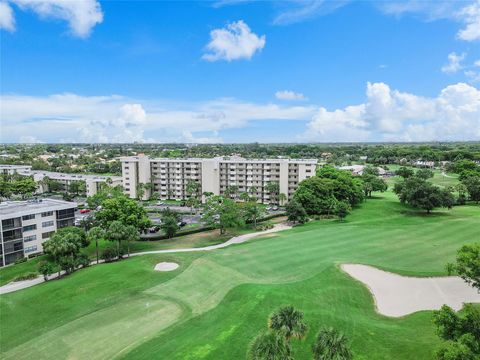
330 344
252 211
472 184
127 211
282 198
342 210
421 194
461 332
140 190
270 346
424 174
289 322
296 212
221 213
231 192
373 183
467 264
46 268
404 172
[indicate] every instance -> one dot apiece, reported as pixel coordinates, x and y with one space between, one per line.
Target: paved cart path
19 285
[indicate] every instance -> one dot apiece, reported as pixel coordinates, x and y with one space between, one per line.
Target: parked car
84 211
182 223
160 203
275 208
153 230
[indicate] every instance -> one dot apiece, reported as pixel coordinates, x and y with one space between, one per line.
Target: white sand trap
166 266
397 295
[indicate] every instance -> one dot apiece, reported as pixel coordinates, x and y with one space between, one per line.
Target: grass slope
215 303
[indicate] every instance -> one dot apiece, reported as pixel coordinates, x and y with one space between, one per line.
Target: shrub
26 276
82 260
109 254
21 260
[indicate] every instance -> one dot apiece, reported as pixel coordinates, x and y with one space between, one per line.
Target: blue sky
239 71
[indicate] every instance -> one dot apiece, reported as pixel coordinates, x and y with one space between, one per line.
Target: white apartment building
15 169
169 177
25 225
92 182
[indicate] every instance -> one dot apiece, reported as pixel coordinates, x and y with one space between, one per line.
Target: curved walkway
19 285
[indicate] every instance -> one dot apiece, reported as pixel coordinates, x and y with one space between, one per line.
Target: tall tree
117 232
296 212
273 189
221 213
96 234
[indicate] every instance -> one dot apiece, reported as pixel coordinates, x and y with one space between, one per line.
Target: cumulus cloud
454 63
396 116
7 21
470 15
235 41
289 95
74 118
81 15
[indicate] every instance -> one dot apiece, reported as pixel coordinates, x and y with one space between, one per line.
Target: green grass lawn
215 303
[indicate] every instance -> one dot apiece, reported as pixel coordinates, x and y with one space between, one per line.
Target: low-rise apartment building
170 177
64 180
25 225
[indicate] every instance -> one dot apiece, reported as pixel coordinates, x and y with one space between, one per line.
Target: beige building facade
169 178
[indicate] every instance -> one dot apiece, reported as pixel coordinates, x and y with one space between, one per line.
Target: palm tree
331 345
131 235
270 346
96 233
282 198
117 232
289 322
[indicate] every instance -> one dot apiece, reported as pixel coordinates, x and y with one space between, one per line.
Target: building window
46 235
28 217
66 213
47 213
47 223
30 238
30 227
30 249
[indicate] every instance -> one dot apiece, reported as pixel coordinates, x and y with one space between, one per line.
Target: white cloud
477 63
74 118
235 41
81 15
466 12
295 11
395 116
470 15
289 95
472 76
454 63
7 20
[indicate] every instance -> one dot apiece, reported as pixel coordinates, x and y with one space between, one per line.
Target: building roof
10 209
65 176
228 159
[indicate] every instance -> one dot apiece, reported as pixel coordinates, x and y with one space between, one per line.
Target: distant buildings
92 182
358 169
170 177
25 225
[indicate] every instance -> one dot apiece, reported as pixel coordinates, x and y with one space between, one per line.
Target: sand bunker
397 295
166 266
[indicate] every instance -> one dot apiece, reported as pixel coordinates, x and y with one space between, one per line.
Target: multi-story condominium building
15 169
170 177
92 182
25 225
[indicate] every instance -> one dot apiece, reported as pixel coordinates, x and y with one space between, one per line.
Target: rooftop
10 209
65 176
230 159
